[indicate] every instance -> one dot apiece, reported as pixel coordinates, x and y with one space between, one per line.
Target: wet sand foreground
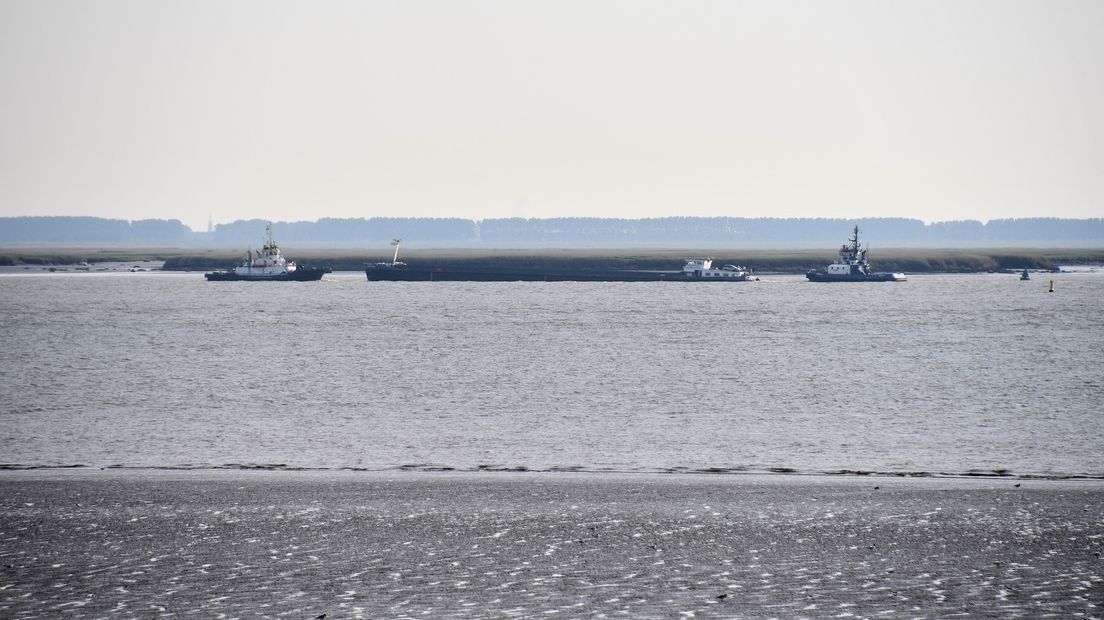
472 545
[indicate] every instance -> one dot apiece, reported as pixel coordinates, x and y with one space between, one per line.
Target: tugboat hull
820 276
302 274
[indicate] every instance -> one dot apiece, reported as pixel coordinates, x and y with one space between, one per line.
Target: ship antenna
396 243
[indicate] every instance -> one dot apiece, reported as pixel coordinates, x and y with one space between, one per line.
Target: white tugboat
852 266
268 265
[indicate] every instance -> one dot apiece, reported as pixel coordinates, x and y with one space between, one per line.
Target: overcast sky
636 108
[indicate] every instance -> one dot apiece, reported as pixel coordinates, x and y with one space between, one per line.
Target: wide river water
978 374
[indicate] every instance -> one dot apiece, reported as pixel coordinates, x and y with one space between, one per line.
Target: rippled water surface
948 374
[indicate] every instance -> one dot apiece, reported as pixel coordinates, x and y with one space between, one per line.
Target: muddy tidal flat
488 545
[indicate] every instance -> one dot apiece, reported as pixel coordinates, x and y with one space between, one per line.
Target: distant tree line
355 232
62 230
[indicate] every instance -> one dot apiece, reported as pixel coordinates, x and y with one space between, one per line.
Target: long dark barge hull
302 274
819 276
405 274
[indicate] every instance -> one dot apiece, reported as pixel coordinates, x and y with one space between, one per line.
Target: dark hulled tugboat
852 266
268 265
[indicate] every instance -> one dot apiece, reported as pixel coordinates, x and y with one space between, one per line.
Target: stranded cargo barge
695 270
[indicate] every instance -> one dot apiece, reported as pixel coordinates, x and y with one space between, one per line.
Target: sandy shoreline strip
140 543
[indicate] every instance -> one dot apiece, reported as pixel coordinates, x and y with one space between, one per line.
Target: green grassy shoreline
909 260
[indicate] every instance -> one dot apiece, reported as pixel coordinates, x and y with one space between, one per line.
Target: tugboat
268 265
852 266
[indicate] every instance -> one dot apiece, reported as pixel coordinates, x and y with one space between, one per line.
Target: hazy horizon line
201 229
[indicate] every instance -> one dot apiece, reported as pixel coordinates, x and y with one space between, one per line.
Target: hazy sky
636 108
